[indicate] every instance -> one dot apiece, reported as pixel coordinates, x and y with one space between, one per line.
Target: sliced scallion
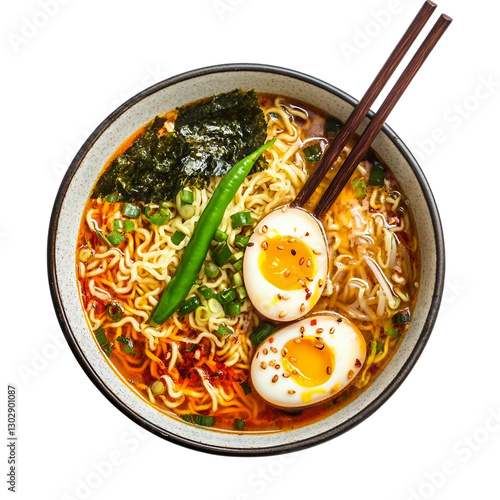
226 296
261 333
187 197
232 309
359 186
202 314
115 238
401 317
215 307
238 265
241 292
220 236
239 424
189 305
241 219
236 256
177 237
127 345
241 241
205 291
161 217
224 331
132 211
223 255
237 279
206 420
157 387
211 269
100 335
111 198
392 331
114 311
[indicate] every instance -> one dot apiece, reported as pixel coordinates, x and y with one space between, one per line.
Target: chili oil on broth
373 255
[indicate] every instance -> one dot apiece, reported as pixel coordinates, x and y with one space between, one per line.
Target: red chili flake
271 340
358 363
373 369
307 234
308 295
314 322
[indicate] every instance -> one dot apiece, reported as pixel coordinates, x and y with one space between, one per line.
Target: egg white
268 370
269 300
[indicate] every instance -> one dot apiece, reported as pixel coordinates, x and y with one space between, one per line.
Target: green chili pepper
196 250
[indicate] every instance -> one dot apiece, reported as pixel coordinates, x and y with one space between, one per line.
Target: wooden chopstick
359 112
373 128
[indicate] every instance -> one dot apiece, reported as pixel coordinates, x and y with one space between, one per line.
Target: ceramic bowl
75 190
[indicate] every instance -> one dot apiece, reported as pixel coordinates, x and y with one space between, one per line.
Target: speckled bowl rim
300 444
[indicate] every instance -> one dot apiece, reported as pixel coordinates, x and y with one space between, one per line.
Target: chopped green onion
115 311
241 292
211 269
111 198
187 418
238 265
127 344
379 346
102 237
115 238
376 175
333 126
241 219
157 387
237 279
359 186
86 254
226 296
177 237
224 331
128 226
118 225
192 347
216 248
239 424
392 331
187 197
223 255
261 333
401 317
147 211
205 291
189 305
132 211
202 314
215 307
185 210
206 420
236 256
100 335
246 387
161 217
241 242
220 236
312 153
108 349
232 309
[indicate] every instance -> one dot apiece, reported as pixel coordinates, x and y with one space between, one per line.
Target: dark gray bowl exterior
192 443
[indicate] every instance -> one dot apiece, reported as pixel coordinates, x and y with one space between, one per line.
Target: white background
64 72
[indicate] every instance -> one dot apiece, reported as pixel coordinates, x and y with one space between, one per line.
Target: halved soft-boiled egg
308 361
286 264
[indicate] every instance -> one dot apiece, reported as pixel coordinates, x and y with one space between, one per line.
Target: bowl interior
75 191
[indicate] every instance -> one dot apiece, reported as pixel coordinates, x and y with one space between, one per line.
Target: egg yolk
309 361
287 263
